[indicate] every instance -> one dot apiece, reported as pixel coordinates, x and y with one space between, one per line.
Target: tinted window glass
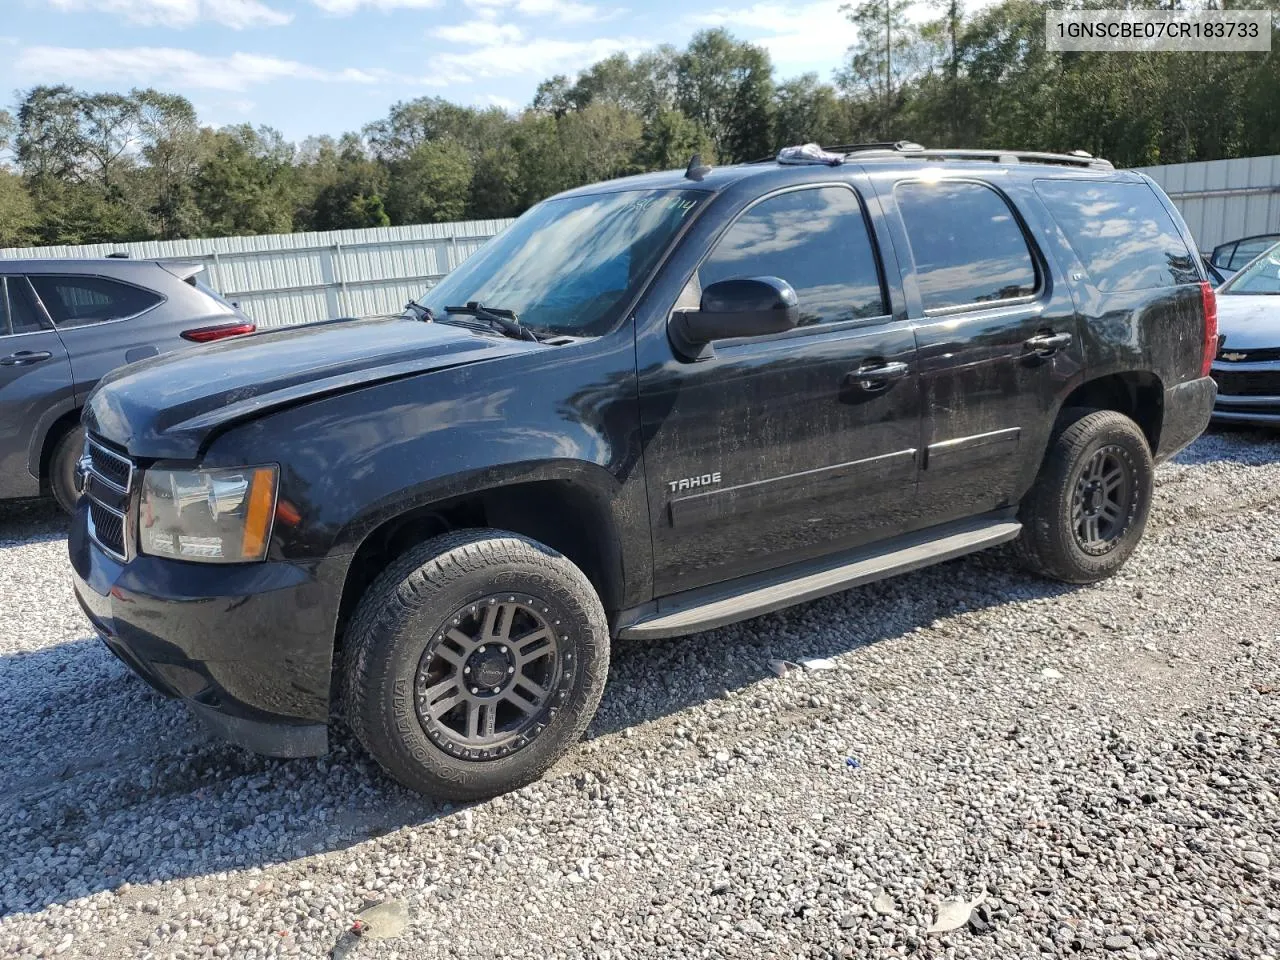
75 301
18 312
1246 250
817 241
1121 232
966 244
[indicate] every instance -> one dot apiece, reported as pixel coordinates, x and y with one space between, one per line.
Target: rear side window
1121 232
75 301
18 312
815 239
966 243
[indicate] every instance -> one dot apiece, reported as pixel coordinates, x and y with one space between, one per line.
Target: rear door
101 320
35 380
998 336
784 447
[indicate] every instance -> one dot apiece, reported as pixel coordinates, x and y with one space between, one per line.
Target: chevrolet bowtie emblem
1234 357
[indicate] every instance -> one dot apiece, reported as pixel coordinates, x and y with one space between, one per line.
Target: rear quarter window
74 301
1121 232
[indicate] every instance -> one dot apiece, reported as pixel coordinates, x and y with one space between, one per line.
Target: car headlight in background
220 515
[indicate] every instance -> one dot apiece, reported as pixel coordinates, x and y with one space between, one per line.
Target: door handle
876 376
1046 343
24 358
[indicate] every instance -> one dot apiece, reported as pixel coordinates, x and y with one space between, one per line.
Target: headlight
213 516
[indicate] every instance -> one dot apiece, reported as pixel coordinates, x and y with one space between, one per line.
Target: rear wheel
474 662
1088 508
63 482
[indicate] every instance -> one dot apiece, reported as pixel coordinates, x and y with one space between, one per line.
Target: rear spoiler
182 269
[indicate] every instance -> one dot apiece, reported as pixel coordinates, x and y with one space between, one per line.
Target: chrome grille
108 485
110 467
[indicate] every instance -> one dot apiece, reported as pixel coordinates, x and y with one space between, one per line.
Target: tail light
1210 300
220 332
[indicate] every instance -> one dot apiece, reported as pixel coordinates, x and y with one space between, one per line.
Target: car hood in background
1249 321
171 405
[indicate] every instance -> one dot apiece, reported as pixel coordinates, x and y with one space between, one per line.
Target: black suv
650 407
65 323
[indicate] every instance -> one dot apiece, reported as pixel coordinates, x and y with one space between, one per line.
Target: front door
786 447
998 336
35 376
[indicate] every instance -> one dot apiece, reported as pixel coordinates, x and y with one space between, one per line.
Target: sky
327 66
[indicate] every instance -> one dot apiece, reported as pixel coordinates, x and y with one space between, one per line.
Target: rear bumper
248 647
1187 409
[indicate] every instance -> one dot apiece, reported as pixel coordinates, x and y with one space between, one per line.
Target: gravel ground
1100 761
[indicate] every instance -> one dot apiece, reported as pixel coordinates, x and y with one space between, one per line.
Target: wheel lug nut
497 689
481 648
510 670
466 669
475 689
502 649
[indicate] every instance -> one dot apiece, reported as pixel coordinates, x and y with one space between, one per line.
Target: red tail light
210 334
1210 327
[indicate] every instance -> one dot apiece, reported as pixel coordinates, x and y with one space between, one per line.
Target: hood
171 405
1249 321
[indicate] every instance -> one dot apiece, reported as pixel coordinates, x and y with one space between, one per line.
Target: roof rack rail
899 146
1076 158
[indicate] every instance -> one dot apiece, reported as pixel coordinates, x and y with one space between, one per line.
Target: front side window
1261 277
76 301
815 239
1121 232
569 266
967 245
18 311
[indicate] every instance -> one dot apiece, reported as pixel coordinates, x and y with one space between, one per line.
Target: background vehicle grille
107 487
1249 384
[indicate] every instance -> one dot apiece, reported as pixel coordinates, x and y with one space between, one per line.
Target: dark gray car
66 323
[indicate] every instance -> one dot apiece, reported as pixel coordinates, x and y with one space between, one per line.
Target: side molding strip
719 604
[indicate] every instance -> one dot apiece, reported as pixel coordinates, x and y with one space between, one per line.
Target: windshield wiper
424 312
499 319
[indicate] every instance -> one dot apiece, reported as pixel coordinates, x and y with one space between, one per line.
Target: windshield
569 266
1261 276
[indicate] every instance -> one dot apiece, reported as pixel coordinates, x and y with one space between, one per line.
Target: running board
722 603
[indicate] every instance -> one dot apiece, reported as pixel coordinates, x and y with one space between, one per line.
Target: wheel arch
1138 394
53 425
569 511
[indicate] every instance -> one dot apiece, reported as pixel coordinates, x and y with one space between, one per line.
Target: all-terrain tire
1052 542
62 468
407 611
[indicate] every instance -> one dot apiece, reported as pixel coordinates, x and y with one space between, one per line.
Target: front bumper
1248 392
249 647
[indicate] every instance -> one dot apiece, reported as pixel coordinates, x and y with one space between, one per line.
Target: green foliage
80 167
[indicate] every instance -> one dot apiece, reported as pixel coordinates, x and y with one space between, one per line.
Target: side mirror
742 307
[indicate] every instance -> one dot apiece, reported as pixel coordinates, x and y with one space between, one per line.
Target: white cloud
172 67
236 14
798 36
480 32
566 11
538 58
344 8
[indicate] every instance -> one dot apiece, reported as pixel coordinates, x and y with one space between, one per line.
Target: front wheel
1088 508
474 662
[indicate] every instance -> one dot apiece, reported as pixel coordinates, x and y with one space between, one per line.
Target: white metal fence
1224 200
283 279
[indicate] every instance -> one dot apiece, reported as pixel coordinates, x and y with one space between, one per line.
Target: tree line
110 167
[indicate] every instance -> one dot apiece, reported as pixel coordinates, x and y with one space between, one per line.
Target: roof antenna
696 169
